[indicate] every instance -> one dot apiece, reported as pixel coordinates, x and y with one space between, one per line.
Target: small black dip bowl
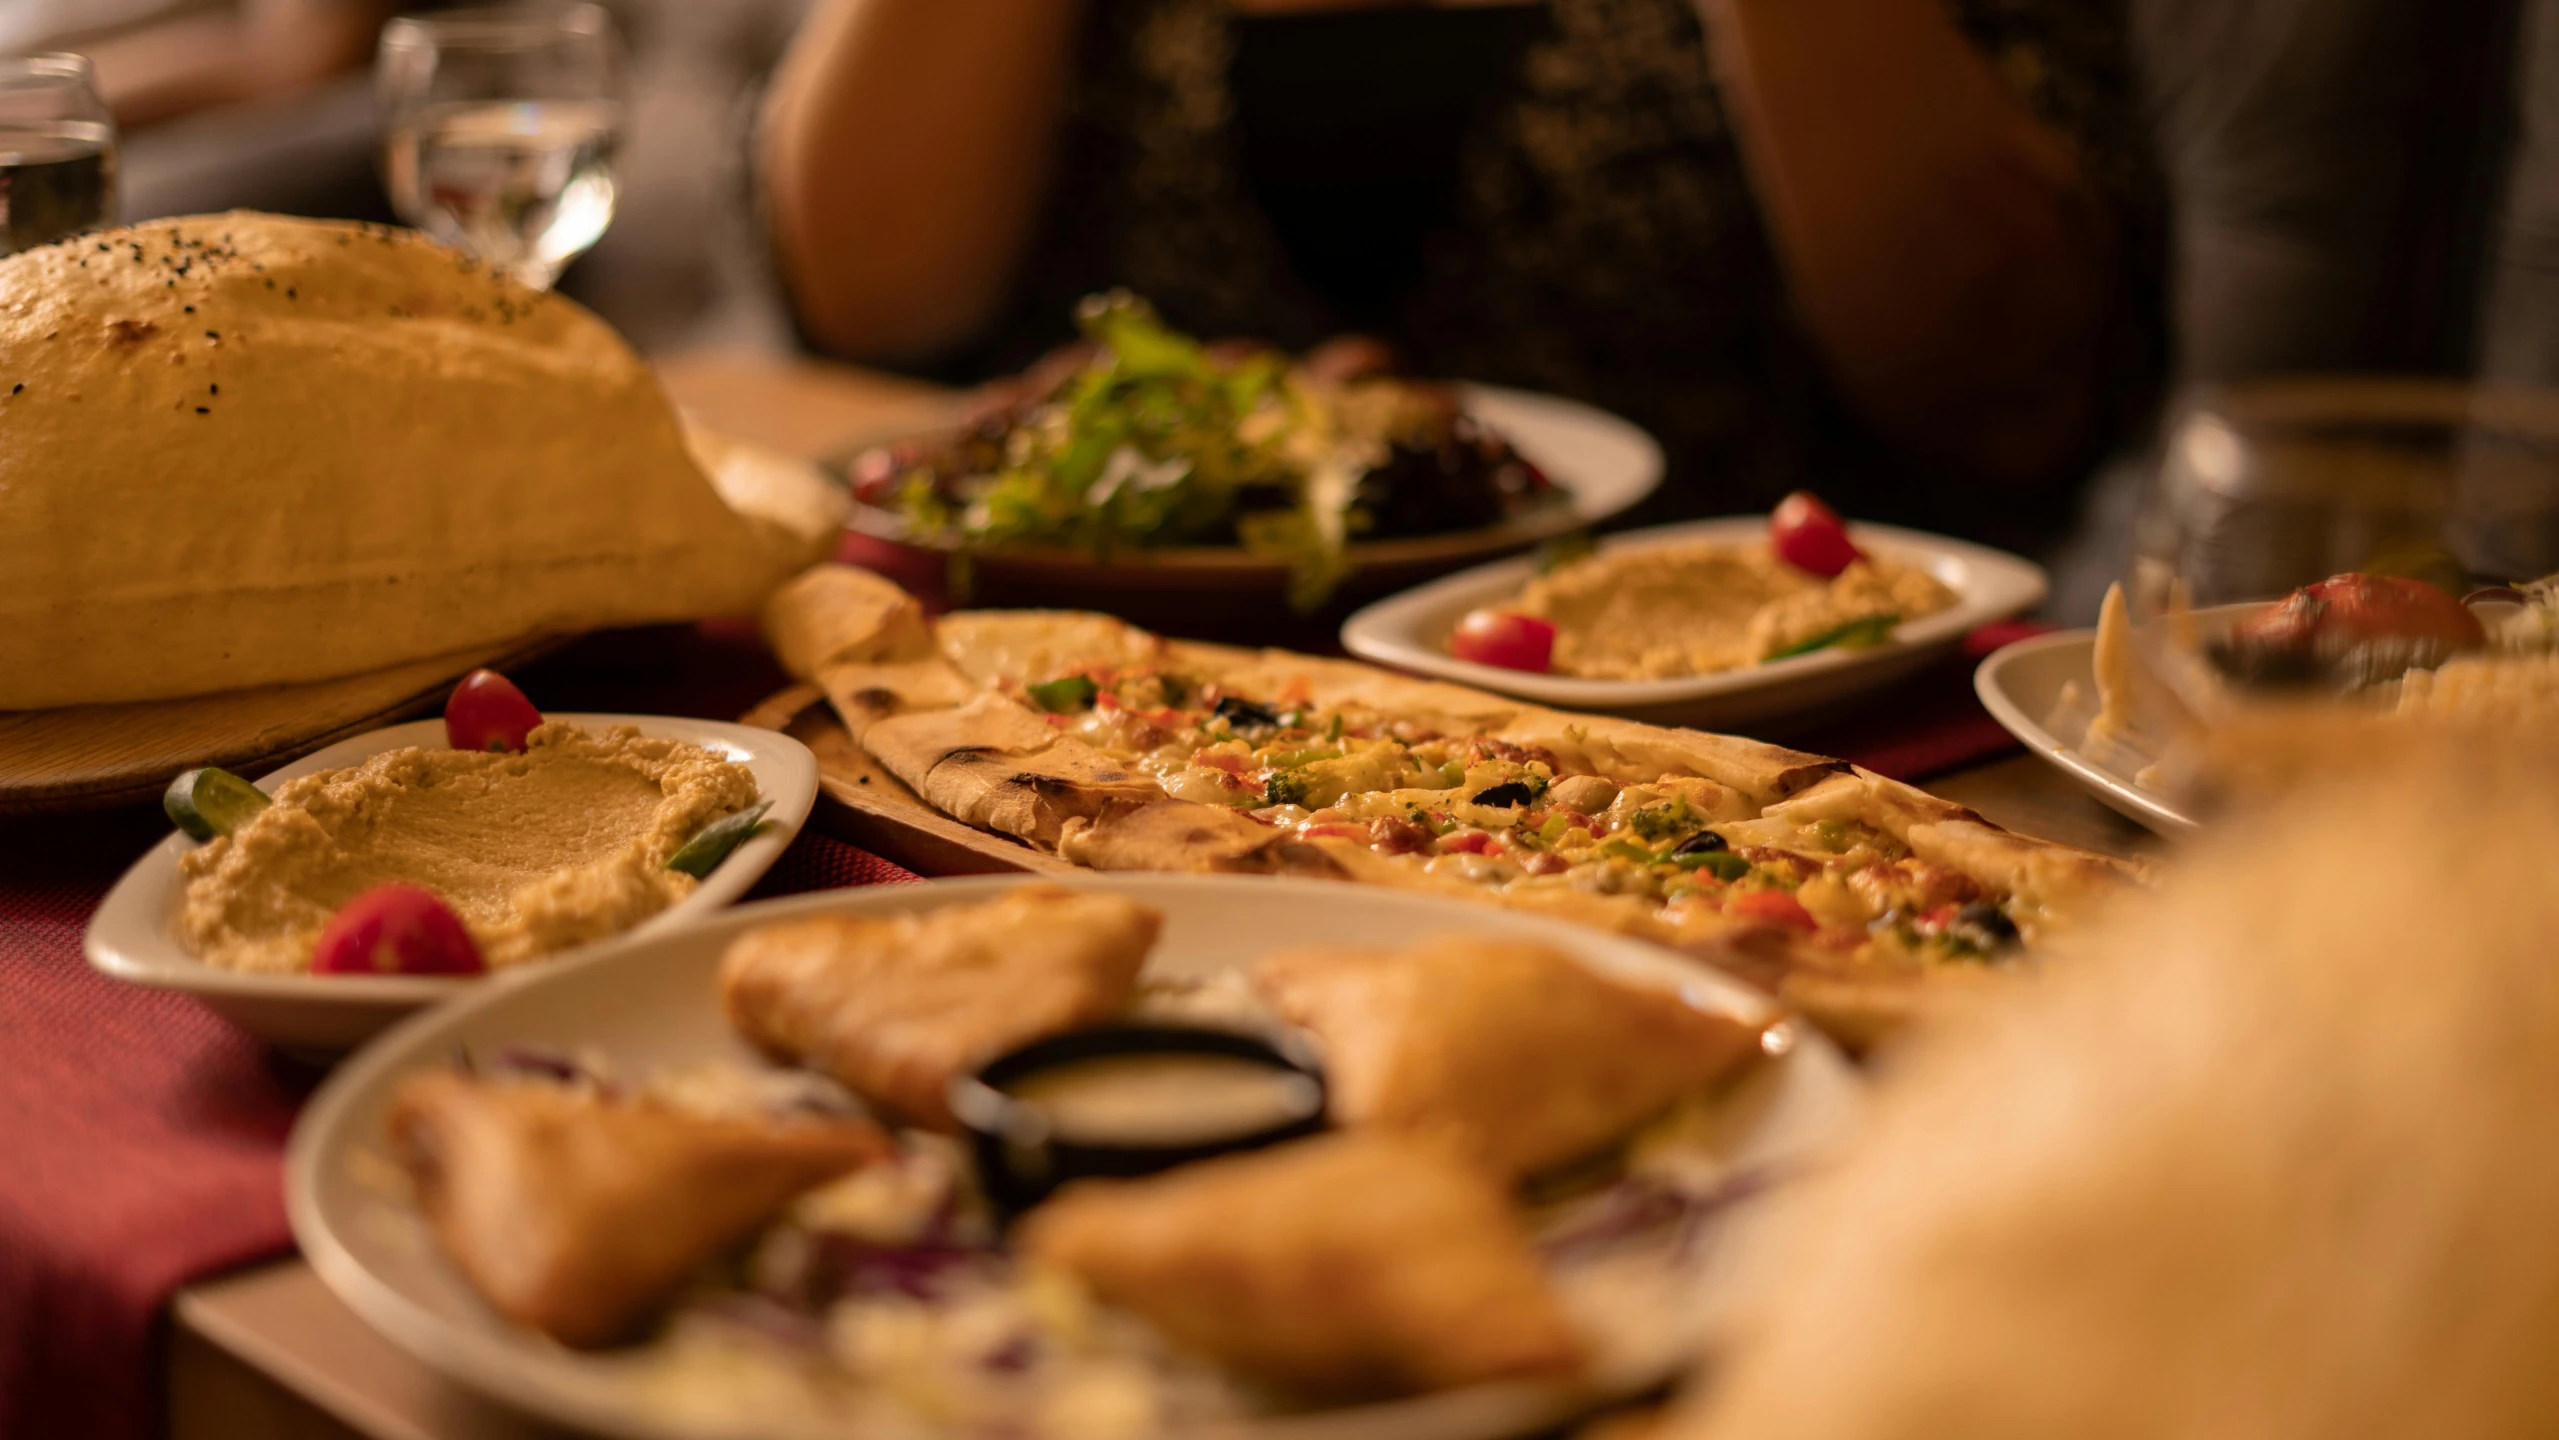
1024 1154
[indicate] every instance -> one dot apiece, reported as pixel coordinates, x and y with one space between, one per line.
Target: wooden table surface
269 1352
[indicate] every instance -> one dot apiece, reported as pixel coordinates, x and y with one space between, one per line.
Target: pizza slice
895 1006
580 1214
1857 898
1517 1056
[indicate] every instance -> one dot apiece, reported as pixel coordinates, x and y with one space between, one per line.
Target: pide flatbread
1857 898
242 450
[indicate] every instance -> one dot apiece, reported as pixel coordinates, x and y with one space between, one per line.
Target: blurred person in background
268 105
161 59
1900 251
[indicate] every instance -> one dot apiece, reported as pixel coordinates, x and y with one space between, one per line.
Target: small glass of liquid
502 127
57 152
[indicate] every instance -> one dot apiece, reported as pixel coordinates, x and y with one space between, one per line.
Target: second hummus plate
1410 631
134 935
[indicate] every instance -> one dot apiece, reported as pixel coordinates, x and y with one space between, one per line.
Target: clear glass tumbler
57 151
501 130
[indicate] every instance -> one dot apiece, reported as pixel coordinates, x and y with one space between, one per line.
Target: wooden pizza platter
87 757
874 809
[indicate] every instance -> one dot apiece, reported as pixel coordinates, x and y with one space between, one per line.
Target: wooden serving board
85 757
875 810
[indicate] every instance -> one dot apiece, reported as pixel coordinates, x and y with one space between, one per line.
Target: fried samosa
1517 1055
1349 1264
580 1215
894 1006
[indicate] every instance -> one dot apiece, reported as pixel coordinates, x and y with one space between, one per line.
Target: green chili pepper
710 845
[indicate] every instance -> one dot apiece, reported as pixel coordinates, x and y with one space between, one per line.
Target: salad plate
652 1003
134 935
1600 465
1411 631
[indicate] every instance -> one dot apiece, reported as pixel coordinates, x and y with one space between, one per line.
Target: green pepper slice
1064 695
1856 634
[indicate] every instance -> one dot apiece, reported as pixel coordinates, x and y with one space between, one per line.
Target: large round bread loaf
242 450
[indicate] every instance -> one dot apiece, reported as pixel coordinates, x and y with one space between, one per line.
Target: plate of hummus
490 861
782 1101
1713 622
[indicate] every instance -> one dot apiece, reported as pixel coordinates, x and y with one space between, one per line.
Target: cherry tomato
396 929
1810 536
487 712
1774 906
1504 638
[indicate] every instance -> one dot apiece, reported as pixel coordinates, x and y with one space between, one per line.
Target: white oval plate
1410 631
134 935
650 1001
1603 464
2020 685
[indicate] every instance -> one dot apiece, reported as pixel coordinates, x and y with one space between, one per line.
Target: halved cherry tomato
487 712
1774 906
1504 638
396 929
1809 535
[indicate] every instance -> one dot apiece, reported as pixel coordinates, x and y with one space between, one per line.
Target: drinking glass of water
503 124
57 152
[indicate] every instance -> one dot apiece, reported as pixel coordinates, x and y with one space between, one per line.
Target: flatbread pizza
1853 896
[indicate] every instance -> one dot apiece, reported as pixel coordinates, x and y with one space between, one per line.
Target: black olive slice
1241 713
1508 793
1704 842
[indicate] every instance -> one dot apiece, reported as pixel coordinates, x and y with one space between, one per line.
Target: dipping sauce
1170 1098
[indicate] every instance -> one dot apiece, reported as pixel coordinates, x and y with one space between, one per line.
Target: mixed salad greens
1153 438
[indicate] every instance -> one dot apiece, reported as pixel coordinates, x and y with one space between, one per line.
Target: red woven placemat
141 1138
1929 724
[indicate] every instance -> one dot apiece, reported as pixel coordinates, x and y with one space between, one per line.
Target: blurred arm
904 151
269 48
1946 249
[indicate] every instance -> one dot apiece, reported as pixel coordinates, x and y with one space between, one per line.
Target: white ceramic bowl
134 936
1410 631
651 1001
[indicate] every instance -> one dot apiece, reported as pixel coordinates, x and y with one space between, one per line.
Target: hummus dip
1704 606
560 845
